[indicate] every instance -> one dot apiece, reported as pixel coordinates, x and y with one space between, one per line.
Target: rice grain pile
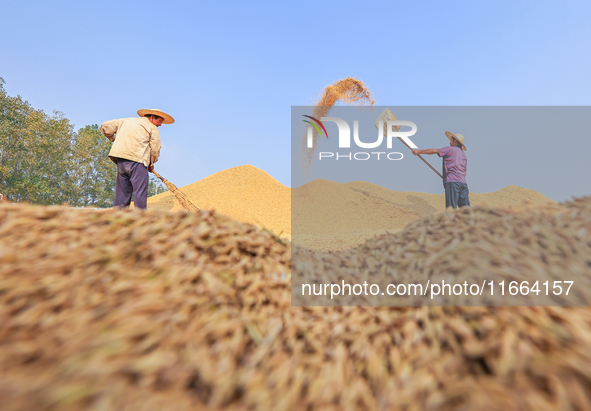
114 309
151 310
243 193
326 215
475 245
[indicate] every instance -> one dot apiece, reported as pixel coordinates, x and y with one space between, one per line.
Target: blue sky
229 72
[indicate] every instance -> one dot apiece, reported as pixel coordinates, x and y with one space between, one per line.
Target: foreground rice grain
152 310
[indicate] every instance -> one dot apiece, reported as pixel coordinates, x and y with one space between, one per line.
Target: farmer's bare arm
427 151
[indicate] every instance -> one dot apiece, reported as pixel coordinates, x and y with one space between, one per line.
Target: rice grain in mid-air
349 90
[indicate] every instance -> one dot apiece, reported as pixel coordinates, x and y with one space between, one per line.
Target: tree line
44 161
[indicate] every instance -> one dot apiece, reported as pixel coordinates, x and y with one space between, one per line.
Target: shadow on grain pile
152 310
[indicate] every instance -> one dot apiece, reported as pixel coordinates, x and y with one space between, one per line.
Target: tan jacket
134 138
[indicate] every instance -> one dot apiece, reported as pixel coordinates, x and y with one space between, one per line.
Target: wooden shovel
386 115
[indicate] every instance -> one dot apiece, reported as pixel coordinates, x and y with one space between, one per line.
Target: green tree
34 152
43 161
92 174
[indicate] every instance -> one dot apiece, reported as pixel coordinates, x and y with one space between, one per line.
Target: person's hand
151 168
415 152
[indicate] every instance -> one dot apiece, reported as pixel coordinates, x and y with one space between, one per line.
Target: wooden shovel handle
425 161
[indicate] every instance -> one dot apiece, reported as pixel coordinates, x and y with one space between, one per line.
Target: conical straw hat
458 137
167 117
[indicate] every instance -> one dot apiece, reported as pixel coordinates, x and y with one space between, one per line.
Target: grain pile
475 245
150 310
243 193
109 309
326 215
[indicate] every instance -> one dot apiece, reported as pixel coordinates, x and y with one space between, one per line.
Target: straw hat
167 117
458 137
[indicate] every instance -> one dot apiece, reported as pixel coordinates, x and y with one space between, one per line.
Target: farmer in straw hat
454 170
136 147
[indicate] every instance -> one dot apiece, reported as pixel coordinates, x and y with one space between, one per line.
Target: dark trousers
132 178
456 194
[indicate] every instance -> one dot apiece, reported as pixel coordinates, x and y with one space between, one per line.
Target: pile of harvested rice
108 309
325 215
153 310
243 193
541 244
